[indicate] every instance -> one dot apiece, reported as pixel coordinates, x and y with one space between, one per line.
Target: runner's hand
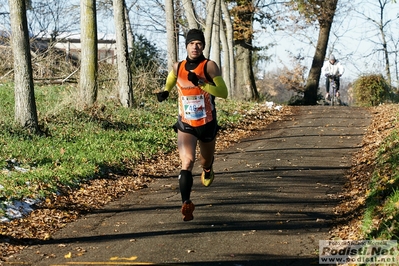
193 78
161 96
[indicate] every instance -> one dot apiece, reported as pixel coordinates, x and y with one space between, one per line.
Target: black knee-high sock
185 184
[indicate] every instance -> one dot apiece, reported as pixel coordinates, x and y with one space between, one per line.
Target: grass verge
381 216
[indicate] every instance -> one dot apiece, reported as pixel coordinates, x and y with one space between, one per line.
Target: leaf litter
350 211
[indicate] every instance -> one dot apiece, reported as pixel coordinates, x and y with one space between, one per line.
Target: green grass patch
82 145
382 204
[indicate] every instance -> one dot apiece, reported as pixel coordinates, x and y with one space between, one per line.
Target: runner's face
194 49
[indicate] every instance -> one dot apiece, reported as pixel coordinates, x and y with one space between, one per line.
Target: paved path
270 204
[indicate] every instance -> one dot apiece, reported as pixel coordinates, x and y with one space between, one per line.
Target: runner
198 82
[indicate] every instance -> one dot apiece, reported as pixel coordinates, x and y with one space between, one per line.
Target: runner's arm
217 90
170 81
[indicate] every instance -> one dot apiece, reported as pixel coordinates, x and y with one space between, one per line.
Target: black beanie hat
195 35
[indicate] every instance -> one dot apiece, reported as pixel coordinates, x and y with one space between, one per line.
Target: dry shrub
147 80
6 60
371 90
52 65
293 78
49 64
107 82
282 85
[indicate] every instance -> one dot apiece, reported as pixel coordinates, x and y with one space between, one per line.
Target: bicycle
333 91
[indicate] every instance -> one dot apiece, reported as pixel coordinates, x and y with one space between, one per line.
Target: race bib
194 107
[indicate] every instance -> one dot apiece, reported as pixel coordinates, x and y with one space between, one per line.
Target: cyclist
333 68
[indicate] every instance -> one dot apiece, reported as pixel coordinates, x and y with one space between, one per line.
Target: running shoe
187 210
207 177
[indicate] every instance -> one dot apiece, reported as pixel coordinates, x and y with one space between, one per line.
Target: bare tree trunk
171 33
245 81
216 34
190 14
129 30
230 69
243 32
89 55
312 84
396 61
25 104
226 58
210 9
178 17
382 25
124 74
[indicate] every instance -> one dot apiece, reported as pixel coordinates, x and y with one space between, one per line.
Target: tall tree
229 66
124 74
171 33
129 30
323 12
396 58
89 55
25 104
245 86
216 28
226 57
210 15
190 14
382 23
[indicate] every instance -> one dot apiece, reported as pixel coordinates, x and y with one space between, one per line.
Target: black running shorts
205 133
